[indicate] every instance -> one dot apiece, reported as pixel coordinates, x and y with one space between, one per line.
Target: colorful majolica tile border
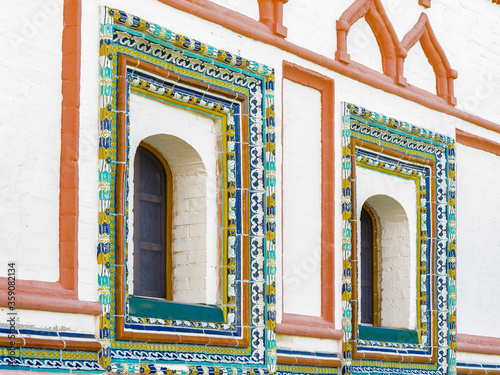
376 131
123 34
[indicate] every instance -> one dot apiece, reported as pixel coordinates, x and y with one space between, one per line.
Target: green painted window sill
387 334
163 309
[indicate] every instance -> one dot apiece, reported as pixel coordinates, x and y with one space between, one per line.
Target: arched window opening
369 268
152 223
386 265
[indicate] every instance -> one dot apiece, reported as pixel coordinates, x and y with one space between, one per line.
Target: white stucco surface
312 29
403 15
362 46
30 144
301 199
307 344
29 319
478 243
418 71
30 125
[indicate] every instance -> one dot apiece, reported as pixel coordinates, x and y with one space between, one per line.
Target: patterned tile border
414 145
124 36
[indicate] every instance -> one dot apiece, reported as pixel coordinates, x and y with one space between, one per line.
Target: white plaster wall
418 71
307 344
311 24
249 8
397 243
478 243
30 142
315 30
29 319
34 201
194 223
301 199
403 15
462 27
363 47
455 24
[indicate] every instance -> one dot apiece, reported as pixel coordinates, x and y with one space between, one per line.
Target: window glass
150 276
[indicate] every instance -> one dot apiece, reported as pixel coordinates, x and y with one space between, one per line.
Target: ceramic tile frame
203 68
411 144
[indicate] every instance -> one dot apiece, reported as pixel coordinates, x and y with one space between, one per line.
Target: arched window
386 265
152 224
369 268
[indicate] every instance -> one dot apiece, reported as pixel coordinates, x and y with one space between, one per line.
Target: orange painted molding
256 30
62 296
306 325
422 32
480 143
425 3
271 15
307 361
32 295
27 342
477 371
384 32
478 344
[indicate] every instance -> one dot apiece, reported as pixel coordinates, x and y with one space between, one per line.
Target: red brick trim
308 361
58 344
271 15
425 3
478 344
422 32
253 29
62 295
480 143
384 32
307 325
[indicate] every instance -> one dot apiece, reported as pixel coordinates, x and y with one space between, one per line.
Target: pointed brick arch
384 33
422 32
271 14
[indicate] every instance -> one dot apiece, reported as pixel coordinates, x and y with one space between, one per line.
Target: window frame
414 149
167 217
376 301
241 335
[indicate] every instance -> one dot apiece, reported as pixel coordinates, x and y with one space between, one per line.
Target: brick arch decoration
422 32
382 28
426 3
394 52
271 14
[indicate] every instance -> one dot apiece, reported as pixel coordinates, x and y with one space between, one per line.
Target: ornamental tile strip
123 34
401 137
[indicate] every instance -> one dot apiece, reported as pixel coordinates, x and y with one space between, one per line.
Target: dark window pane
366 303
151 174
152 272
151 227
